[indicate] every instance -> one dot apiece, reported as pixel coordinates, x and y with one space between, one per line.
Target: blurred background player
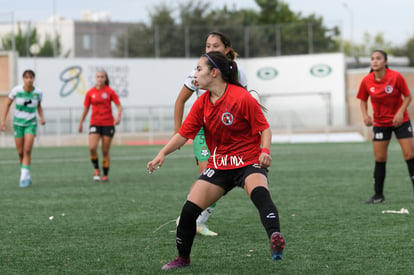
239 136
390 98
102 123
28 99
215 41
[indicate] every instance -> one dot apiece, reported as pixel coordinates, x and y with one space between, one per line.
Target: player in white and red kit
102 122
390 98
239 138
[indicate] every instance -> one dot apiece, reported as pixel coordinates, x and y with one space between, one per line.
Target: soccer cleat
277 244
96 176
25 183
375 199
105 178
177 263
202 229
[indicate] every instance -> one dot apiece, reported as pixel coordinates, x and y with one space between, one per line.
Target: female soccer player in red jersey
102 121
239 138
215 41
390 98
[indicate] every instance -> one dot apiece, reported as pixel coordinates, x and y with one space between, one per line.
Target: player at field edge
102 123
215 41
28 99
239 137
390 98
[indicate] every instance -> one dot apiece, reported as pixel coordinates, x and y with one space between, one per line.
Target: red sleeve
87 101
194 120
363 92
254 113
114 96
403 87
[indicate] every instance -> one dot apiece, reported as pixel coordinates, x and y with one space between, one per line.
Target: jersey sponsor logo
225 160
389 89
227 118
372 89
27 102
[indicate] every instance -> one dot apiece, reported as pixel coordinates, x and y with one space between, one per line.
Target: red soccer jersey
101 105
231 126
386 96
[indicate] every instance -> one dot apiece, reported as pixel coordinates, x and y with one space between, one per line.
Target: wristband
265 150
119 115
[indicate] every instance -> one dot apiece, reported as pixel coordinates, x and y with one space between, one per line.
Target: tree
273 30
23 41
368 45
406 50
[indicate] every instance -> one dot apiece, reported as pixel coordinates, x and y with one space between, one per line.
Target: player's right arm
182 97
365 115
84 113
6 110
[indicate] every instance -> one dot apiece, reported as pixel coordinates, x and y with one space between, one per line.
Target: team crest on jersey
389 89
104 95
204 151
372 90
227 118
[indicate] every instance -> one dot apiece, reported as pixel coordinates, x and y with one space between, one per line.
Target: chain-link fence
115 39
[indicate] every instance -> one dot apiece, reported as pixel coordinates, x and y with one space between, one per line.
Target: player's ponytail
228 68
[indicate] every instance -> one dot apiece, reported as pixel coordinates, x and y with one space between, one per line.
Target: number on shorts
208 172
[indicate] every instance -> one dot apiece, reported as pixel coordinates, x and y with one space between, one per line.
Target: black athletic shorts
228 179
405 130
102 130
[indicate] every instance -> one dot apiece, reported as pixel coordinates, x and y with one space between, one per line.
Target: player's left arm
40 111
399 116
118 118
265 159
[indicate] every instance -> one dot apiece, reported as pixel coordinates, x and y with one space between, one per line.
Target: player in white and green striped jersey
28 99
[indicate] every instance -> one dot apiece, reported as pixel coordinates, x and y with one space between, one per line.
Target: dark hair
232 54
384 54
228 68
106 76
29 72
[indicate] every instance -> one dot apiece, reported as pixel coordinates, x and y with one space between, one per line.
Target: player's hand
117 121
398 119
3 126
368 121
42 121
80 128
265 160
156 162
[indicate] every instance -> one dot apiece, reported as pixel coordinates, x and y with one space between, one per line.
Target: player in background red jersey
239 138
390 98
102 122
